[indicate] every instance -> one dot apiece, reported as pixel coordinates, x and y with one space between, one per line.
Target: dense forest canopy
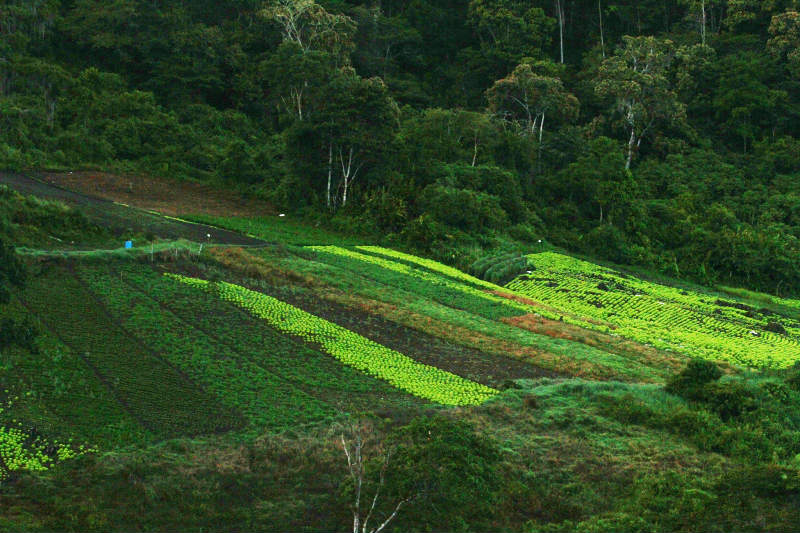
656 133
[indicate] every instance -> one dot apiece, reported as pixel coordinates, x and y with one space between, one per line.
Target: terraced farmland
694 323
352 349
474 313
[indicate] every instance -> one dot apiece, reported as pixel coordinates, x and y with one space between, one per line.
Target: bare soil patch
170 197
125 221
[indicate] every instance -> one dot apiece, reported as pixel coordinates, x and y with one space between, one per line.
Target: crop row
354 350
663 316
23 449
424 307
157 395
59 390
436 287
434 266
266 399
250 338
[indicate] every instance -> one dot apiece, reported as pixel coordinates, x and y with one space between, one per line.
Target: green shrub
729 399
690 381
424 233
503 272
463 209
479 267
609 242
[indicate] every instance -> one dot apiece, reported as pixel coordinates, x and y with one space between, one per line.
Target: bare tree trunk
560 12
541 129
631 143
348 173
541 133
354 451
602 38
703 27
475 150
330 172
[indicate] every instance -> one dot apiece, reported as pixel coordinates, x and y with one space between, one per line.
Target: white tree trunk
541 130
354 451
703 21
560 12
330 172
631 144
602 38
348 173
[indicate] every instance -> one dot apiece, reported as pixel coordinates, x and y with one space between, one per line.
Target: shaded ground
170 197
125 221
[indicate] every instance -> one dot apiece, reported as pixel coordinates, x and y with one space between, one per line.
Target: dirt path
124 220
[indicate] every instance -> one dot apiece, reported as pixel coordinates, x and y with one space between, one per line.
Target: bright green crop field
695 323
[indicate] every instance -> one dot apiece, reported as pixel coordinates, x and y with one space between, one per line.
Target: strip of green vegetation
354 350
278 229
432 266
316 373
436 287
267 400
178 247
157 395
666 317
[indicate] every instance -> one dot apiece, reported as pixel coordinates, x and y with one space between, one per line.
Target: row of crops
352 349
159 396
450 297
128 355
584 294
690 322
276 380
23 448
435 281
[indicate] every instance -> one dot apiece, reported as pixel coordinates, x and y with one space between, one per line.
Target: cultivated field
179 341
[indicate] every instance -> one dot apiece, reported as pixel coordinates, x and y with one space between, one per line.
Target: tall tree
784 42
352 132
529 95
311 27
635 79
510 29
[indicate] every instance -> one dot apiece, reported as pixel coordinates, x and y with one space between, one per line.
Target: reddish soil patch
608 343
533 303
170 197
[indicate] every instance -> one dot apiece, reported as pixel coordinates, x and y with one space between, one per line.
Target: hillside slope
182 386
